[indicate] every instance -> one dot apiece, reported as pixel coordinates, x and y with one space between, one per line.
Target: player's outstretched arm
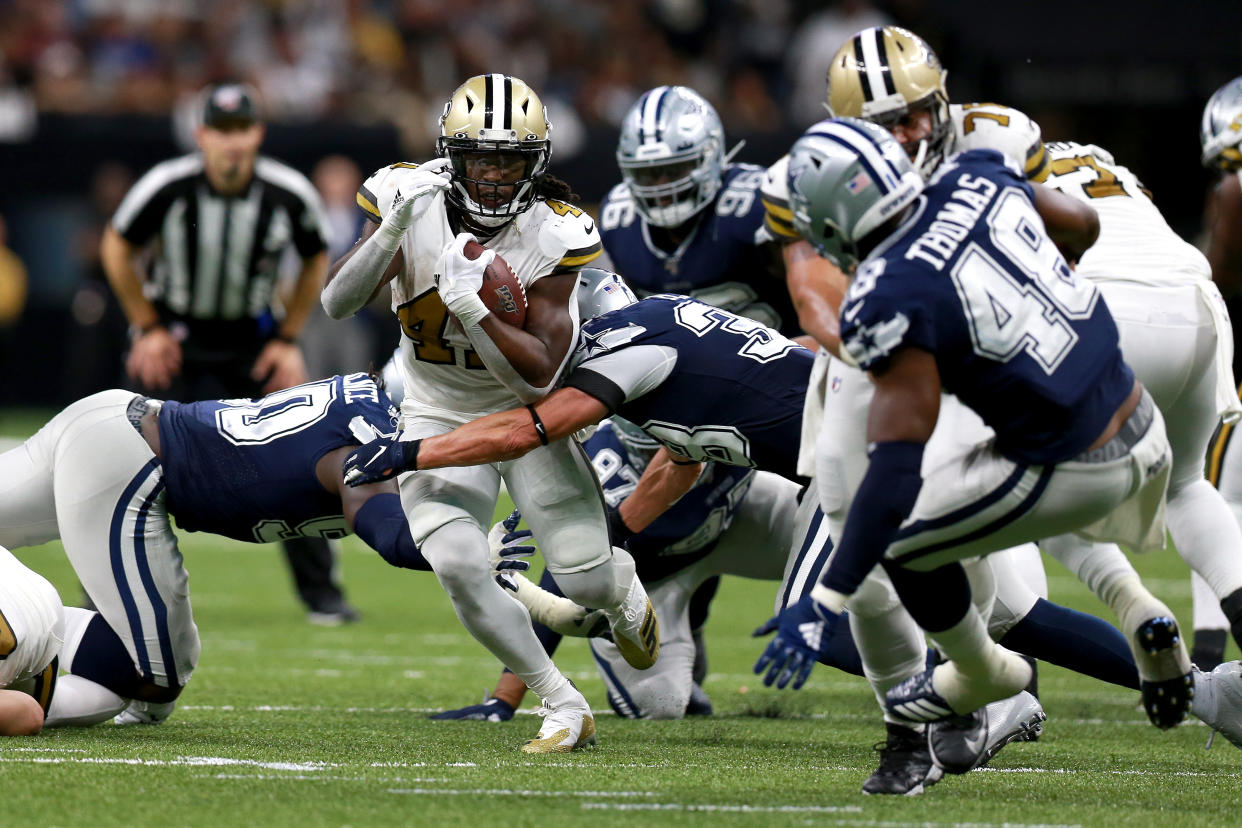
505 435
816 287
1072 225
667 477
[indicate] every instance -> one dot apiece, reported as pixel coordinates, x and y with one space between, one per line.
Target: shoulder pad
569 234
1004 129
778 217
376 195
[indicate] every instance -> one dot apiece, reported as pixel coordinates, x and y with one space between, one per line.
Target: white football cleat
635 628
1218 700
567 725
147 713
1018 718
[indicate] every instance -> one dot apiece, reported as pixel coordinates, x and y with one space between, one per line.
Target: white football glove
459 279
415 189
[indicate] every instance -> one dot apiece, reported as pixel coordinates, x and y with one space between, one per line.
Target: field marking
735 809
513 792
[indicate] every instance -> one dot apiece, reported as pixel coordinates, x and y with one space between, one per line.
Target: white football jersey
1136 244
442 371
975 126
32 621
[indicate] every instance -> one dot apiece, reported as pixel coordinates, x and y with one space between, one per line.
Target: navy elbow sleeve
382 526
884 499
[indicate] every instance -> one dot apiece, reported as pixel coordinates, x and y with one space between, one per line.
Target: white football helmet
1220 133
671 154
846 178
495 134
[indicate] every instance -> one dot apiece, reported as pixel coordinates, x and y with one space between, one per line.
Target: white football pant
450 512
88 478
753 546
1181 352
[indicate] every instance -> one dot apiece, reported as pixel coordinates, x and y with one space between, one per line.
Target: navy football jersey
707 383
246 468
688 531
721 262
973 278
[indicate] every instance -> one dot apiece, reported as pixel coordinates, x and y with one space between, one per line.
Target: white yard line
734 809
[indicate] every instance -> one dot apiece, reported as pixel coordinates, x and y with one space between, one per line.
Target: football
501 290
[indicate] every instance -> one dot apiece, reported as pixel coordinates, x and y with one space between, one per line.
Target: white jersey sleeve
379 191
777 215
1136 244
1004 129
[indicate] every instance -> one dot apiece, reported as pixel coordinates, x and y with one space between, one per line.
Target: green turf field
289 724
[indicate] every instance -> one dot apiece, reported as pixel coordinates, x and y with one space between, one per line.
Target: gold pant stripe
1217 448
45 684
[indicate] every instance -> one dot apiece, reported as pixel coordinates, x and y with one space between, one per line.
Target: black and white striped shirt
217 256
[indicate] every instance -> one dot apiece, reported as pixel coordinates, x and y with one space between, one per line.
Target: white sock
80 702
1206 535
979 670
1208 614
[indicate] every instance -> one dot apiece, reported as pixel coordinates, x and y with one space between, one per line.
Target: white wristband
469 310
829 598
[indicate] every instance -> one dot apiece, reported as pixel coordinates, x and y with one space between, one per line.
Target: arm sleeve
624 374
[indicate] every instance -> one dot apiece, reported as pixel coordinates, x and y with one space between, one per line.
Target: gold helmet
494 132
884 73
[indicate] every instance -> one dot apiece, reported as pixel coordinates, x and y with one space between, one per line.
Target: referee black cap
230 106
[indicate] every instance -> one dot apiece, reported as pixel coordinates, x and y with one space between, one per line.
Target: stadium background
93 92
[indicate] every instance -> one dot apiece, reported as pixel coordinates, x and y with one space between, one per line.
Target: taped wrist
469 309
885 498
382 526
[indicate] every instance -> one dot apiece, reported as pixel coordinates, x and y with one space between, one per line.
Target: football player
912 99
711 386
1176 335
1079 445
107 475
685 219
460 362
733 521
1220 135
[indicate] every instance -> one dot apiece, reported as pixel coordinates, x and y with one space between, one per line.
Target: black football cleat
906 767
1161 653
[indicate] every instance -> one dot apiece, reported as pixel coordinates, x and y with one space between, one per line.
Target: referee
213 227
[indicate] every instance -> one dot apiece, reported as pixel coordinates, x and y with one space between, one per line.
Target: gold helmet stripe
872 59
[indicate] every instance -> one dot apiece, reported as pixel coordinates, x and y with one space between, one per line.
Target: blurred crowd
762 61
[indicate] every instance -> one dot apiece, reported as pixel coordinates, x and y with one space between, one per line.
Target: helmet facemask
671 154
669 192
495 133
